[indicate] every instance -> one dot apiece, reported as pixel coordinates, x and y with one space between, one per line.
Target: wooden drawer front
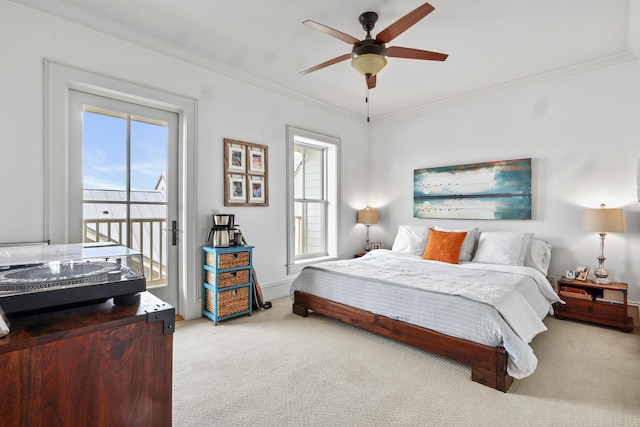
601 310
230 278
229 302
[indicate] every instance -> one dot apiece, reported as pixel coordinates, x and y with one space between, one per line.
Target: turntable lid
36 254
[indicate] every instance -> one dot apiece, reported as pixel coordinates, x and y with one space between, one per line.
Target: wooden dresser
96 365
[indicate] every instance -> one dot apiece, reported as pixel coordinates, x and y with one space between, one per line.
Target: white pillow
411 239
502 247
469 244
538 255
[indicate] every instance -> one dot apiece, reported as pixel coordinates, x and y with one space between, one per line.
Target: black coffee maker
219 233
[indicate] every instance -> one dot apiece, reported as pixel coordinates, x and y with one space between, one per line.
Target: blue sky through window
104 153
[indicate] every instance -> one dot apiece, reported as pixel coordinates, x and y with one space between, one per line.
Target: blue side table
227 282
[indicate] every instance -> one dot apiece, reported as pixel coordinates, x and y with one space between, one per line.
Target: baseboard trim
275 289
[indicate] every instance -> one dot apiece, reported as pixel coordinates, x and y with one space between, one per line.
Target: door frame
59 79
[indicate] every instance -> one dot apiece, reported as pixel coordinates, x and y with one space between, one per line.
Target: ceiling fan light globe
369 64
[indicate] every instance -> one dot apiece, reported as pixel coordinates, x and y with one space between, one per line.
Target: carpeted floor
278 369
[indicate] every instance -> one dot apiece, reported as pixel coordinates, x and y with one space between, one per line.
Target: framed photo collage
246 174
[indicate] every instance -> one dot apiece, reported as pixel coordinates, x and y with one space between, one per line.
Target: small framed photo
237 188
375 246
256 160
570 274
236 159
582 272
256 189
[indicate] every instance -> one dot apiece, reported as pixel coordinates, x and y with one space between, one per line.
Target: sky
104 153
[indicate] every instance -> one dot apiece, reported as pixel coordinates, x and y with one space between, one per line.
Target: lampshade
367 216
603 220
369 64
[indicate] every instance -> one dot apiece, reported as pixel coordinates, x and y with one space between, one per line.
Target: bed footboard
488 364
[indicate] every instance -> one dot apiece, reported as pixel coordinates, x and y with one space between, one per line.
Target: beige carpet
278 369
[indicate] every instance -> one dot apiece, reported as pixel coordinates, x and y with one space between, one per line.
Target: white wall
227 108
583 135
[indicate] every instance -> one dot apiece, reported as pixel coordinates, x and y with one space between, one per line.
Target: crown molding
234 74
513 85
116 30
127 35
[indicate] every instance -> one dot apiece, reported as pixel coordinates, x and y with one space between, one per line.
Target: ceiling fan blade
371 82
404 23
406 52
330 31
327 63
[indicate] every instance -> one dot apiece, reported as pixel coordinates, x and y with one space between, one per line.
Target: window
313 197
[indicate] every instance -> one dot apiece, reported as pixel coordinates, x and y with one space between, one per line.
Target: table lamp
367 217
603 221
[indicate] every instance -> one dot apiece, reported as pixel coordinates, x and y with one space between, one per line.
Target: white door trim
59 79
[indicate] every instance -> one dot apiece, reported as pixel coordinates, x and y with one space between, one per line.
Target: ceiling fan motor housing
369 46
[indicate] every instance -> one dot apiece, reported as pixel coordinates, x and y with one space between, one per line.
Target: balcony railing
147 237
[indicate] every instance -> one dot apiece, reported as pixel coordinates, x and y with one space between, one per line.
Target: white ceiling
493 45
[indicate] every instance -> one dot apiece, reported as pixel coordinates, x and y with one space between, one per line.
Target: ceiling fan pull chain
366 99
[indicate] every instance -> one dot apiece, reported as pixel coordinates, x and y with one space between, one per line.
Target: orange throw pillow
444 246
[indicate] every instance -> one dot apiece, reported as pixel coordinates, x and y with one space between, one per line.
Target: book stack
573 292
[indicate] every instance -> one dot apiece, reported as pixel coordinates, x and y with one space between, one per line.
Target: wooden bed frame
488 364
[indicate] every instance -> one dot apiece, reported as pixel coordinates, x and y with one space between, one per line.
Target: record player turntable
44 277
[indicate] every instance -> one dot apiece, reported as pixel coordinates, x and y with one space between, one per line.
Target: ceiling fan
368 56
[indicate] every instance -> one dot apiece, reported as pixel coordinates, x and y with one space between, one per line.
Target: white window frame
331 146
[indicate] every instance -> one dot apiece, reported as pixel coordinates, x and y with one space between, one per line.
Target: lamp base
367 246
601 273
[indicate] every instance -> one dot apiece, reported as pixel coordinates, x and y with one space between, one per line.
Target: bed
482 310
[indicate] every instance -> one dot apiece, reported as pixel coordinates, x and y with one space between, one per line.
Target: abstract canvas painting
492 190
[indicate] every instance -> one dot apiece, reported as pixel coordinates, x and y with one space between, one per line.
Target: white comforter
500 305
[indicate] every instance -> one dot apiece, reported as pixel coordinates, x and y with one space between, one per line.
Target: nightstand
604 304
361 254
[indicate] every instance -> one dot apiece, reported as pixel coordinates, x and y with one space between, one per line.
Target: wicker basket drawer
232 260
230 278
229 302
